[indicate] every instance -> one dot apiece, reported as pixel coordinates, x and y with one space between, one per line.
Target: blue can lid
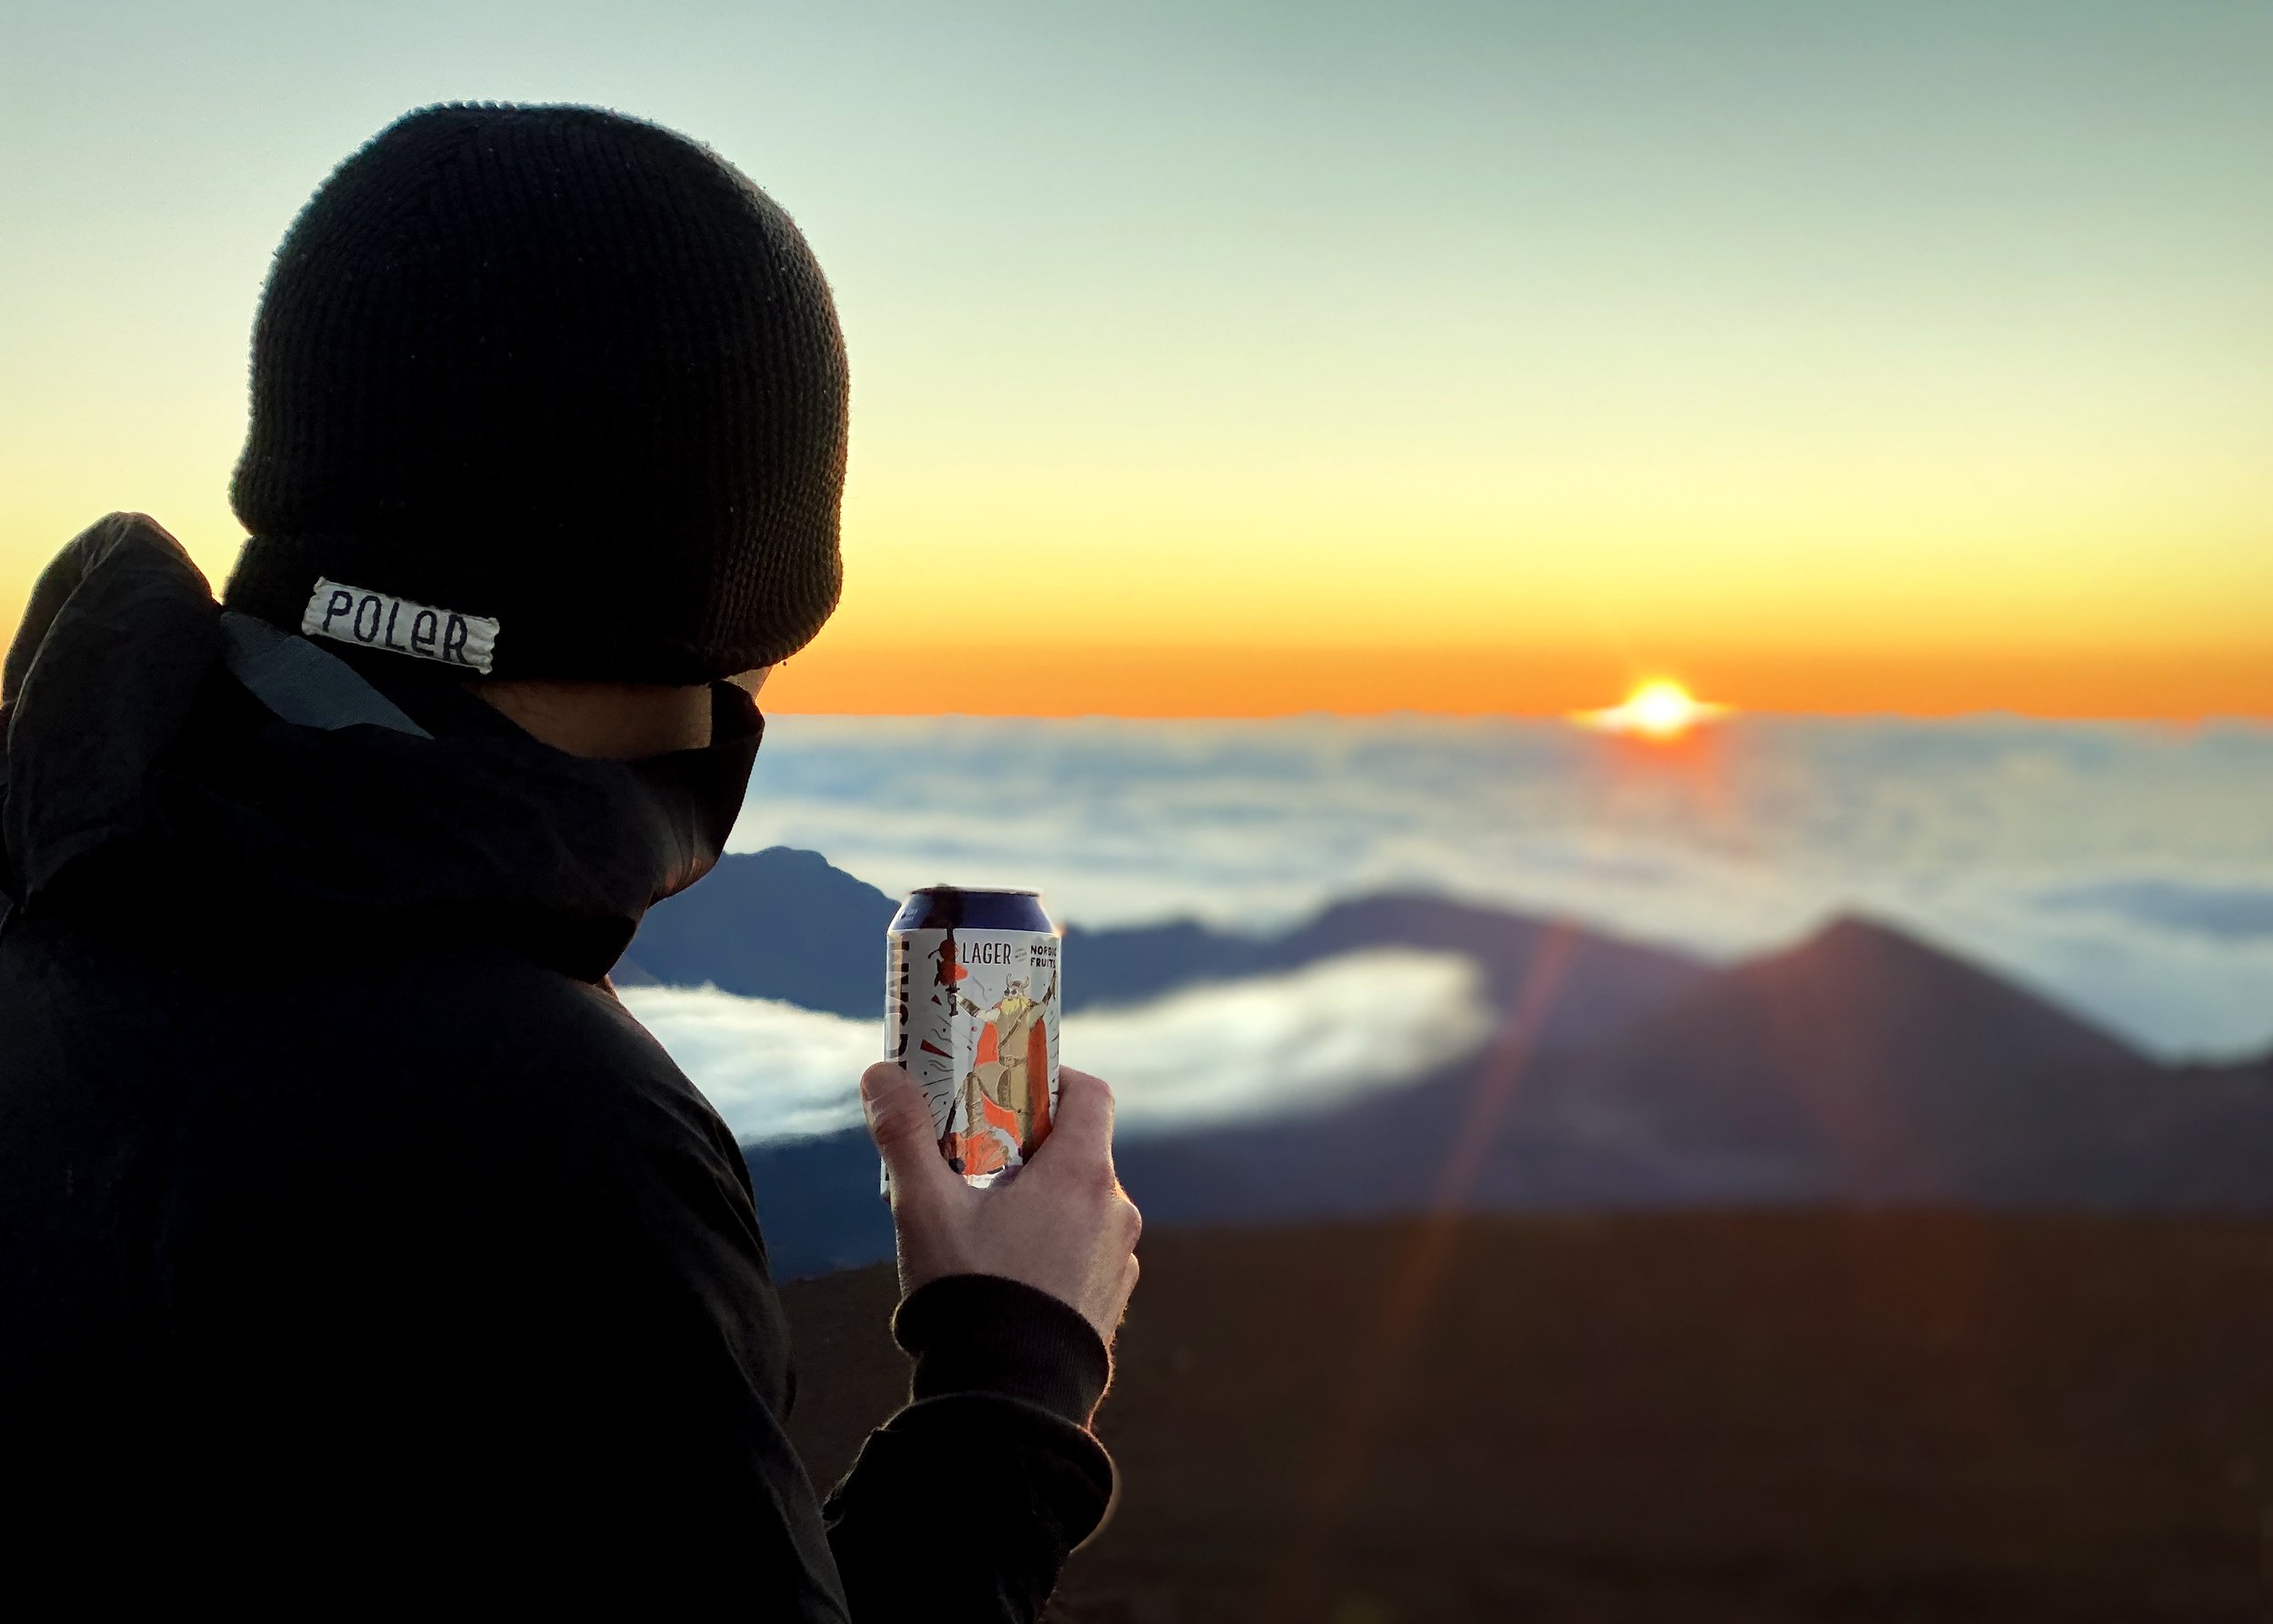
951 907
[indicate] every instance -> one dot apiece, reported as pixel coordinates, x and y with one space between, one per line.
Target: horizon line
2249 719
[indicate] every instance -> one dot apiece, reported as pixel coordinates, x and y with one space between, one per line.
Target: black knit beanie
544 391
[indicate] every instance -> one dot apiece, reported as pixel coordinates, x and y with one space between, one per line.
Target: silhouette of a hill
773 923
1860 1067
1866 1066
1600 982
784 924
818 1203
1861 1064
1798 1417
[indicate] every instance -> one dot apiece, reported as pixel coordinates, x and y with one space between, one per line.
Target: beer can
971 1010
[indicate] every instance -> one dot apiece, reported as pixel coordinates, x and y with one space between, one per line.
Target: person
358 1242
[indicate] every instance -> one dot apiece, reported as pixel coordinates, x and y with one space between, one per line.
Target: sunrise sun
1658 709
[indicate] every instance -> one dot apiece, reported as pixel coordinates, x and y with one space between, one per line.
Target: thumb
900 1122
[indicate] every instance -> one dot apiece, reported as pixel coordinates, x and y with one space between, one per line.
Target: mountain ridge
728 933
1860 1066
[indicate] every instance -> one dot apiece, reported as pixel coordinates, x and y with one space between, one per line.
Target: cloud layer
1237 1051
772 1071
2238 913
2113 866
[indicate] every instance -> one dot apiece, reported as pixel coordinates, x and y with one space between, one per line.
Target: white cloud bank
1278 1044
772 1071
2112 866
1236 1051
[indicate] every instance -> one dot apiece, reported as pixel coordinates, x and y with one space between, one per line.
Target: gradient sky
1251 357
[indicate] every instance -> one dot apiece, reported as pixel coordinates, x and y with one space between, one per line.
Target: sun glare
1659 710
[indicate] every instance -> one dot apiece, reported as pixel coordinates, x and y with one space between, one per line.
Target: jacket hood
173 759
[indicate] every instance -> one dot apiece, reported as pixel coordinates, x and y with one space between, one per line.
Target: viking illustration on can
972 1012
1005 1094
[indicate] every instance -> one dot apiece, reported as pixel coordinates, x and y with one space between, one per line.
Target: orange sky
1253 360
1060 680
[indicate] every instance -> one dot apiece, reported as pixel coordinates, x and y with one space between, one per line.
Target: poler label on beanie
565 364
382 620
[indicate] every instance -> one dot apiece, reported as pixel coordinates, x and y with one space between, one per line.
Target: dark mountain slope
773 923
784 924
818 1203
2196 1137
1601 982
1861 1063
1858 1067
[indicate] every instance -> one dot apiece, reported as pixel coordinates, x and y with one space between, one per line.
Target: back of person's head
555 368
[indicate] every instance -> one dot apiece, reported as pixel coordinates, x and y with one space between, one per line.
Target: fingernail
871 1094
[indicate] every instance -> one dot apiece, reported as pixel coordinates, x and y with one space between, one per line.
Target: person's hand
1064 1225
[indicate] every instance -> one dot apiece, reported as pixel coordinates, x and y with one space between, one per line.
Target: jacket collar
162 758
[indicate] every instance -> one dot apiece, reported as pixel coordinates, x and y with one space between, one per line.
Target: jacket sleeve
965 1504
671 1352
526 1295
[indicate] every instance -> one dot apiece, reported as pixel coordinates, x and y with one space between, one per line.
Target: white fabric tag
382 620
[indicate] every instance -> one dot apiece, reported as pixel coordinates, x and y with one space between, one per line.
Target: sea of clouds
2124 870
1239 1052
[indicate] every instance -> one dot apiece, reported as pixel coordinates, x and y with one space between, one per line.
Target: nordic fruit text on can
971 1010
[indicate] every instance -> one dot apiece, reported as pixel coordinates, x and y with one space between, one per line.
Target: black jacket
353 1237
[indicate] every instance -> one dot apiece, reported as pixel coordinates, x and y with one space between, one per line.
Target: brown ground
1770 1418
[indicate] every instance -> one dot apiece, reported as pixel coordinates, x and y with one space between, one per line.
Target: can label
972 1016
